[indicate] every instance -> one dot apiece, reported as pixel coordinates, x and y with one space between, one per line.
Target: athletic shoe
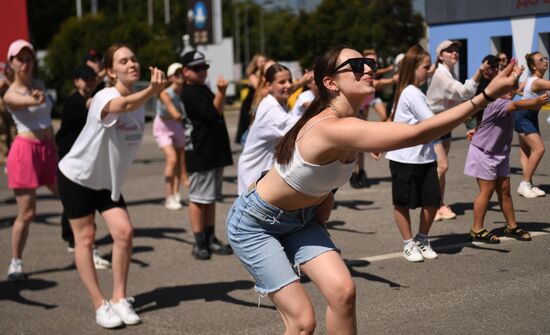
538 191
15 271
411 253
426 250
100 263
107 317
526 190
199 253
126 311
172 204
177 197
444 213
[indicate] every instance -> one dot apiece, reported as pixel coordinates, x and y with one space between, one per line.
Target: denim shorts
485 165
526 122
271 242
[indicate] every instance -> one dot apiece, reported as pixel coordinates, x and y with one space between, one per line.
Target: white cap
173 68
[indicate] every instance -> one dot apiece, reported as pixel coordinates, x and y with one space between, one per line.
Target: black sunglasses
358 65
197 68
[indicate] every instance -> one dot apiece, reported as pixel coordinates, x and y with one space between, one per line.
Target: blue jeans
269 240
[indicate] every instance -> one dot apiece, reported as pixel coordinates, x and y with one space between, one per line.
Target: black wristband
486 96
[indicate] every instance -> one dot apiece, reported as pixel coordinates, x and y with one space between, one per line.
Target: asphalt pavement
469 289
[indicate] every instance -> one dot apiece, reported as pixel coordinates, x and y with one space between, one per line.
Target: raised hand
505 81
222 84
38 96
158 79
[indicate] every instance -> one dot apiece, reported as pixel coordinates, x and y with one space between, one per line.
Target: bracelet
486 96
474 104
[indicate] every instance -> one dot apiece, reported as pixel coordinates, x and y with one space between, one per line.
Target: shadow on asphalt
12 291
230 179
376 181
356 205
460 208
40 218
168 297
335 225
352 264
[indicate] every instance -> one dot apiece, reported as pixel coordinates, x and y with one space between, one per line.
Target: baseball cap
84 72
193 58
173 68
16 47
445 44
93 55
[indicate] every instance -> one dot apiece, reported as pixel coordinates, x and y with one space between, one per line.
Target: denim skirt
271 242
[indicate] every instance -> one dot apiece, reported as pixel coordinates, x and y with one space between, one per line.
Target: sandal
517 233
484 236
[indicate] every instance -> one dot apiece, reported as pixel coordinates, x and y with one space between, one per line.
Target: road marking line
394 255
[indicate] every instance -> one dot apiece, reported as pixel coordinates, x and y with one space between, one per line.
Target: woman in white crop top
32 159
275 225
91 176
526 124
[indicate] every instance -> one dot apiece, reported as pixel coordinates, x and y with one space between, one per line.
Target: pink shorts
168 132
31 163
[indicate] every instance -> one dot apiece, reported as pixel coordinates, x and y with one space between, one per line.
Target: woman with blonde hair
91 175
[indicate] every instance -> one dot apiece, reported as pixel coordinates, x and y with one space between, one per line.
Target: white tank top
527 92
34 117
313 179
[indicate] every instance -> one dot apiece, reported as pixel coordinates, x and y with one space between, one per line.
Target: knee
85 237
306 324
26 216
343 295
123 234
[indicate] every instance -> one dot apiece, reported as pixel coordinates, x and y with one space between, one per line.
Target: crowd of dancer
296 154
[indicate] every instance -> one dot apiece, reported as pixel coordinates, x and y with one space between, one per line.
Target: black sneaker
200 253
363 178
354 181
216 247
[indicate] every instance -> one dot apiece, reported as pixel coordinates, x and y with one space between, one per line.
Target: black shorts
415 185
79 201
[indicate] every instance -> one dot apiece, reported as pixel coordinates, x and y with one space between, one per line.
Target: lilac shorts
168 132
485 165
31 163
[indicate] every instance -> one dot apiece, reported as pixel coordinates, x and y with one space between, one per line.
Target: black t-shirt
210 139
73 120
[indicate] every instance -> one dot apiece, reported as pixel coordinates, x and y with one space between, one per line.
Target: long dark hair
413 58
324 66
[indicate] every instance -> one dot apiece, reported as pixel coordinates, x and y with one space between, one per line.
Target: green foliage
77 36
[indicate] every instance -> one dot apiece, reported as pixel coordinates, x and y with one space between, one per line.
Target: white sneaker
538 191
100 263
107 317
526 190
15 271
172 204
426 250
126 311
411 253
177 197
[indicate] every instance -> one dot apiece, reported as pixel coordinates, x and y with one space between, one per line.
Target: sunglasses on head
197 68
358 65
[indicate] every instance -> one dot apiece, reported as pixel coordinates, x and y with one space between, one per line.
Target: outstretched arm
135 100
358 135
534 104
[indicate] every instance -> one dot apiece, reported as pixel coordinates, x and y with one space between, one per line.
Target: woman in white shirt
413 169
91 174
270 124
443 93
